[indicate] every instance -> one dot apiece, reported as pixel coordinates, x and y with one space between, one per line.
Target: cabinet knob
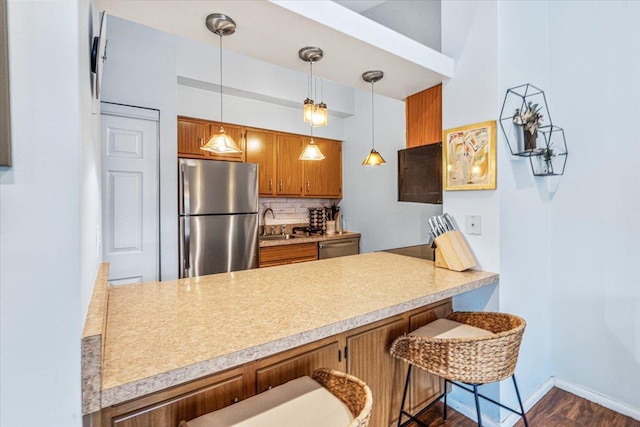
270 184
308 187
269 387
200 141
235 400
280 185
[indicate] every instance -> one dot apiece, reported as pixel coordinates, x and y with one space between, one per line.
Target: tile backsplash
291 211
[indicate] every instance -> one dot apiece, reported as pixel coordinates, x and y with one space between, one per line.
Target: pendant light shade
221 142
374 158
315 114
311 152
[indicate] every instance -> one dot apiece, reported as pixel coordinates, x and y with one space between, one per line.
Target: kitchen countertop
314 238
161 334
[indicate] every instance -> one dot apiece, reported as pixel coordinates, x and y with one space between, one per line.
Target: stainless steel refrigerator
218 215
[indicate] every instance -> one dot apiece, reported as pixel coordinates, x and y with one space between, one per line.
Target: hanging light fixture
221 142
311 151
374 158
313 113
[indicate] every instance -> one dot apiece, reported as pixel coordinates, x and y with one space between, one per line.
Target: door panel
130 193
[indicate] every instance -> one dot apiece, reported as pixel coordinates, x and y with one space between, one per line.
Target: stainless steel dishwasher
341 247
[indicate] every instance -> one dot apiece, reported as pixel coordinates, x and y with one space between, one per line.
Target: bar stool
466 349
330 399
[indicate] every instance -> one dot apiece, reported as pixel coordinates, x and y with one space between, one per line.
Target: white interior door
130 201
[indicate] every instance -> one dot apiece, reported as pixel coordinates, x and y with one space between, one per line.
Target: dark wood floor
557 408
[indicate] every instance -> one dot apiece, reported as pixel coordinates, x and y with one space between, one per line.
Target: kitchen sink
277 237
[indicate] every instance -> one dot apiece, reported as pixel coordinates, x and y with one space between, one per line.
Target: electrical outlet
473 224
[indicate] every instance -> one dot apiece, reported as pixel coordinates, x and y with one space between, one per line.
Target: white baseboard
598 398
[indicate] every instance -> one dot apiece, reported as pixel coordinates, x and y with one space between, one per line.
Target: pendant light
221 142
313 113
374 158
311 151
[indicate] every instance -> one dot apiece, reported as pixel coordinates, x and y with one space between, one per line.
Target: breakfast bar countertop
161 334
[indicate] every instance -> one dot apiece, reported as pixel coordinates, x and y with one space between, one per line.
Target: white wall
40 233
595 216
525 201
370 194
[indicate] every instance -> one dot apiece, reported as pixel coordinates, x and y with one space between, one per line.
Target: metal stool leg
524 417
404 394
475 394
446 384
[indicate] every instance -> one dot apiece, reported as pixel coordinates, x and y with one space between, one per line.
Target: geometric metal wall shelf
526 123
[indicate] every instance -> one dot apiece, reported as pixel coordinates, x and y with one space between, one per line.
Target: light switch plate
473 224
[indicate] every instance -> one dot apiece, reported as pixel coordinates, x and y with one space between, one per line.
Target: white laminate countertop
161 334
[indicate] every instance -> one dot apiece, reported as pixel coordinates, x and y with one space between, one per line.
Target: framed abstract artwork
469 157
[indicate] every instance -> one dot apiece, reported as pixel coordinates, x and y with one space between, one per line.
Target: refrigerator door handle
186 249
186 205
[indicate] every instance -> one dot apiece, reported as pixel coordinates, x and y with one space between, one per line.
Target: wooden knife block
453 252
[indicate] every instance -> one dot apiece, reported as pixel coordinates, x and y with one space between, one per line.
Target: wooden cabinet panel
191 136
186 406
288 167
261 149
297 366
368 358
424 386
424 117
288 254
324 178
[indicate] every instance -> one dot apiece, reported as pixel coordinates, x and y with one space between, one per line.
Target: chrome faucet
264 222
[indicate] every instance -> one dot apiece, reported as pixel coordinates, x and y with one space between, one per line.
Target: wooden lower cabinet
362 352
274 371
368 358
169 407
288 254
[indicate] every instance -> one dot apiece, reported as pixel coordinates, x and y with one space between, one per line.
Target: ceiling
274 31
359 6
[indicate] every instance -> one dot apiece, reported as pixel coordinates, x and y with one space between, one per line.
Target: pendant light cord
373 121
221 116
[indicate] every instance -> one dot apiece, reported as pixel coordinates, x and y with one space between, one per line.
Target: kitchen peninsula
177 348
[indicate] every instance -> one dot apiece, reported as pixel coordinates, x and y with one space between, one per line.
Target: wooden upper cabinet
324 178
424 117
288 167
191 136
261 149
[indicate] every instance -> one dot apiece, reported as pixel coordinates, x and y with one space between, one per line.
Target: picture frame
5 116
469 157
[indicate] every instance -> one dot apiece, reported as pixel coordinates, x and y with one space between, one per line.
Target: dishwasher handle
337 244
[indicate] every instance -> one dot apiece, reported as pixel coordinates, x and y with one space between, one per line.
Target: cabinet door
324 178
299 365
235 132
261 149
368 358
289 168
288 254
424 386
191 136
424 117
186 406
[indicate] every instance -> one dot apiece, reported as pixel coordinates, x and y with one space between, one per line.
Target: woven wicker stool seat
466 349
330 399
